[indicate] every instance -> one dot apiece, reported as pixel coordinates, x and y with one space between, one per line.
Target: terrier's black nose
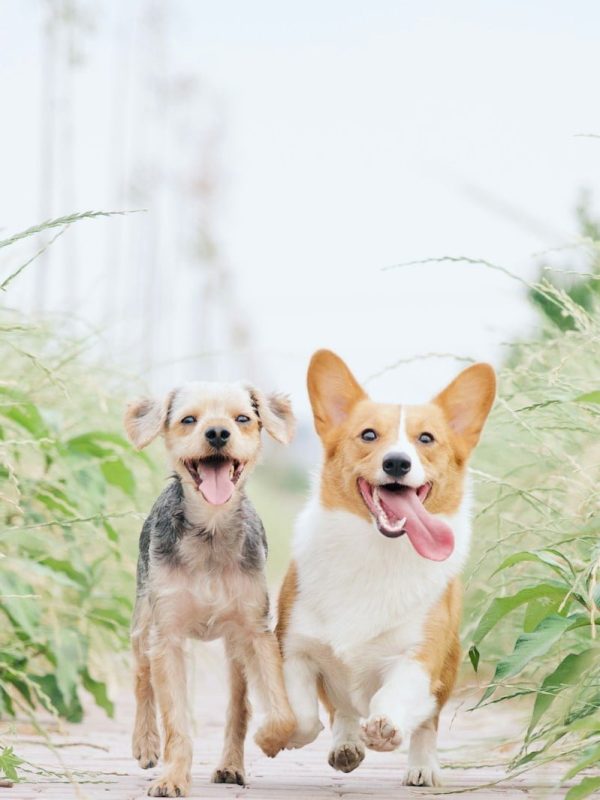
217 437
396 465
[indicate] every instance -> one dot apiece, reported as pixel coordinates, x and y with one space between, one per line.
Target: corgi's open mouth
399 509
215 477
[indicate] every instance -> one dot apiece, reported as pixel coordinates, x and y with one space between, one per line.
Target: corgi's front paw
423 776
346 757
380 733
305 732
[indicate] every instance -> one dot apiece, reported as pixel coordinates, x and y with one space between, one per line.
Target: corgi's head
403 466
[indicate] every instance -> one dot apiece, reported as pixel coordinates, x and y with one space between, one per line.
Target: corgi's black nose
396 465
217 437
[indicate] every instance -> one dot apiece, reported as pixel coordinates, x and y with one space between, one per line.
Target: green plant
536 567
69 521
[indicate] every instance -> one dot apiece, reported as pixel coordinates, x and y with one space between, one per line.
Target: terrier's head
212 432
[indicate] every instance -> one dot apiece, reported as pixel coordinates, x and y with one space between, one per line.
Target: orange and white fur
370 607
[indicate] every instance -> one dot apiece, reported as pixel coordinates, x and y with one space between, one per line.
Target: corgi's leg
347 749
403 702
301 684
423 765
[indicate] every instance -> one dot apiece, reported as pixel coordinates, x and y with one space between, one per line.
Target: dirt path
97 753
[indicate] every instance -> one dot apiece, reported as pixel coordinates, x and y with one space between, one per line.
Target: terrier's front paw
380 733
346 757
146 750
170 785
422 776
274 735
304 733
229 774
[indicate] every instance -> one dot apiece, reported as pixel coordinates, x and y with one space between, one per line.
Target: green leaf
566 674
69 658
9 763
537 610
23 412
18 601
590 758
548 557
583 789
117 474
589 397
98 691
474 657
69 708
527 647
501 606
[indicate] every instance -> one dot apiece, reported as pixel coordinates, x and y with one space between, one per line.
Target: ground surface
97 754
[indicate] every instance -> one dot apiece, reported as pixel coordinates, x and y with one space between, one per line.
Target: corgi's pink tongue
216 485
430 537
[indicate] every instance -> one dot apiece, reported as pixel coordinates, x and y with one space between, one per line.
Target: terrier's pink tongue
216 485
430 537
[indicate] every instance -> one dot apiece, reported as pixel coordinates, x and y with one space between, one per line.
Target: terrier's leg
169 680
145 741
265 661
231 768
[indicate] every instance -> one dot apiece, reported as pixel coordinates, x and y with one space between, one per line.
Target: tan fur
440 652
287 595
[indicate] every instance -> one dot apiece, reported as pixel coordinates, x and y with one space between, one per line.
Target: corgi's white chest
361 593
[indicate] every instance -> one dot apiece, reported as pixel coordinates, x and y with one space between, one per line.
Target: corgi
370 607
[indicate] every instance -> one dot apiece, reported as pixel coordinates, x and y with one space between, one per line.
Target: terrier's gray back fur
166 526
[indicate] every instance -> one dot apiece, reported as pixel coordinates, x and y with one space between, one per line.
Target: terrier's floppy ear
145 418
333 390
466 402
275 413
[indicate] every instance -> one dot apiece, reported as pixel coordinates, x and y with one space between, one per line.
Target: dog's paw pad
380 733
228 775
169 787
422 776
346 757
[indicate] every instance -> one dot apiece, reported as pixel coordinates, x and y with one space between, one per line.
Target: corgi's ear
333 390
466 402
145 418
275 413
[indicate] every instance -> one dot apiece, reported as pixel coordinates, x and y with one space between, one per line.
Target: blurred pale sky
351 136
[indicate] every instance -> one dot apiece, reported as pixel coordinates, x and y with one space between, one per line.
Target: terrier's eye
426 438
242 418
368 435
188 420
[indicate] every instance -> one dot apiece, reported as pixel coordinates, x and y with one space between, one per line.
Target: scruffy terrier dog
201 575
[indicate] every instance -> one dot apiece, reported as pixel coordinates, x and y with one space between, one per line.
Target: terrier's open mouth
215 477
399 509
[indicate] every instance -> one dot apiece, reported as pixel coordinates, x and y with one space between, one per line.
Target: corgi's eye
242 418
188 420
426 438
368 435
